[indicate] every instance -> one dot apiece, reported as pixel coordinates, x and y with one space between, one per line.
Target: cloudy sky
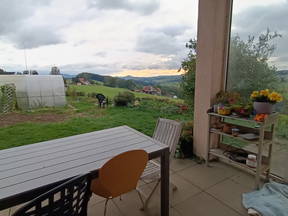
119 37
253 17
101 36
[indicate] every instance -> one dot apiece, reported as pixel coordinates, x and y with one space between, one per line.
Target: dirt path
15 118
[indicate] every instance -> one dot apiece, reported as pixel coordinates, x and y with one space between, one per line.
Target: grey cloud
157 43
103 69
172 62
28 38
144 7
282 58
256 20
161 40
79 43
16 25
171 30
100 54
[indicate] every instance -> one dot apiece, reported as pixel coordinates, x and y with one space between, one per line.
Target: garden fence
7 98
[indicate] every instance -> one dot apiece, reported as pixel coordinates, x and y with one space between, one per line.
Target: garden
82 114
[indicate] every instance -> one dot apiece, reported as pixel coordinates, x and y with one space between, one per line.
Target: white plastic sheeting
34 91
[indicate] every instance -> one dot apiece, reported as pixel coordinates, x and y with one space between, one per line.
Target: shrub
80 94
282 126
124 98
71 92
186 139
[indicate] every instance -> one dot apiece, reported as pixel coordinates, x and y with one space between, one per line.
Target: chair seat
152 171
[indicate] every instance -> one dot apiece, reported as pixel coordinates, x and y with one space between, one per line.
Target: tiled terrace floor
202 191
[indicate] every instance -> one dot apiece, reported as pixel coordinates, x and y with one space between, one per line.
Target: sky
253 17
119 37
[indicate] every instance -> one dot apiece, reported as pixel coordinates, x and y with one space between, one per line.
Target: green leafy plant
186 139
124 98
228 98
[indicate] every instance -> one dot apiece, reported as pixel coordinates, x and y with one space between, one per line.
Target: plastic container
235 132
251 161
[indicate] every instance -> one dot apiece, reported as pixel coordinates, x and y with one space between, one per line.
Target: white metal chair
167 132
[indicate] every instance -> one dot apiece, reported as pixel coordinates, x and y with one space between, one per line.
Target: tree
55 71
189 67
248 63
34 72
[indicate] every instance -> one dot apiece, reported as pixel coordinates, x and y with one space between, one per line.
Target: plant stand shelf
261 146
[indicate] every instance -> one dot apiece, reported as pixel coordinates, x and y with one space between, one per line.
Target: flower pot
263 107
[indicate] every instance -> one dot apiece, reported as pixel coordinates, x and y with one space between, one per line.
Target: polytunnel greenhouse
33 91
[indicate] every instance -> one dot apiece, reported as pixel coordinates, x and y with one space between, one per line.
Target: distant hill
68 76
169 85
92 76
110 81
282 72
283 75
157 80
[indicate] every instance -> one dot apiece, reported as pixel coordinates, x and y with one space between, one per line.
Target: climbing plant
7 98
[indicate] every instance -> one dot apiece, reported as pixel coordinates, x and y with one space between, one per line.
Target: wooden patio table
27 171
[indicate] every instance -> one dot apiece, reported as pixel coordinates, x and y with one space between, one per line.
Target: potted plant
264 100
224 102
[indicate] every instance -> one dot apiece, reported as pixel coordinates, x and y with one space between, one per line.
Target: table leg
165 183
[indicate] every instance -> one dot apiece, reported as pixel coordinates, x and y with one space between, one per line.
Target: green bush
282 126
186 139
161 106
71 92
124 98
79 94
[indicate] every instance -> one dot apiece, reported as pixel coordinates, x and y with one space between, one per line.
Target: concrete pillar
212 46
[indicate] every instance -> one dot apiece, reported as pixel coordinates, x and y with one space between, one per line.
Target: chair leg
141 198
150 195
105 208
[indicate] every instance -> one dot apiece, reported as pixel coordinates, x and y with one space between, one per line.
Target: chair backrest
168 132
69 199
120 174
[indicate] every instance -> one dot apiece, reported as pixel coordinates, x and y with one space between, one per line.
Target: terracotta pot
263 107
227 129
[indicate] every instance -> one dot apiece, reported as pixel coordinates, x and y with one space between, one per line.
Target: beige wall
213 28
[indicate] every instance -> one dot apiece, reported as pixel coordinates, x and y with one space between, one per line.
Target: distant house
151 90
82 81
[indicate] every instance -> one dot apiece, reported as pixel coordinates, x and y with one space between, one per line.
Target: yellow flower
254 94
275 97
279 98
264 92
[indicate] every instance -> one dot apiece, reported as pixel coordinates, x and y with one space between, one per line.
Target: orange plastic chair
120 175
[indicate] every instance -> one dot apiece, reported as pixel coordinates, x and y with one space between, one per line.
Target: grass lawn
85 116
112 92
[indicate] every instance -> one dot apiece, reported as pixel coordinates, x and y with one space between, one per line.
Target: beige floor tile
5 212
205 177
131 205
245 179
98 209
95 199
204 205
180 164
185 189
230 193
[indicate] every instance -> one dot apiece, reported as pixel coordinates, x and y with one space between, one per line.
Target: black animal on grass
102 100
